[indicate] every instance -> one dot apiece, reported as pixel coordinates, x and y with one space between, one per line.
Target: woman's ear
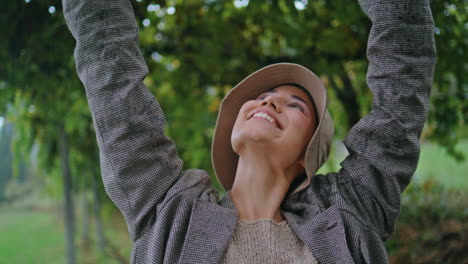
300 166
299 169
302 162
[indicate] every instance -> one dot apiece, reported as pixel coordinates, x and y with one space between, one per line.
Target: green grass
37 236
434 164
30 237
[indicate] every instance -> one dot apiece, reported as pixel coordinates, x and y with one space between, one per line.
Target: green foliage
197 50
40 89
449 109
205 48
432 227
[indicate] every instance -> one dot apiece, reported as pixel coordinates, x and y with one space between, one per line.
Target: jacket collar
212 226
323 233
210 229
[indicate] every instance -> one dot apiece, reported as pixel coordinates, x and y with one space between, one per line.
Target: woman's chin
257 139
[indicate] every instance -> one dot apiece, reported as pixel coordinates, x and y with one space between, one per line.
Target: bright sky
1 122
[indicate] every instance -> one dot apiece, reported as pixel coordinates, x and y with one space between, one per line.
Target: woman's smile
266 117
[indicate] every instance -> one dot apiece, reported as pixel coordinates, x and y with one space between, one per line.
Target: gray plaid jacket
175 216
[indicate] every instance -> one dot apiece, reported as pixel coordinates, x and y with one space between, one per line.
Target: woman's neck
259 187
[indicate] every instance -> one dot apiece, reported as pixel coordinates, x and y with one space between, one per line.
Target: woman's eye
298 106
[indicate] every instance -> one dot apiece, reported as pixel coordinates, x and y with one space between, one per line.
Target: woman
272 134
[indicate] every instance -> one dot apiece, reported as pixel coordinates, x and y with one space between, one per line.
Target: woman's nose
270 100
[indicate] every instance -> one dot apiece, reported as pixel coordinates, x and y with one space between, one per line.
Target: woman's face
280 121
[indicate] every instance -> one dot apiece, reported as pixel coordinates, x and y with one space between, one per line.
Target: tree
449 110
197 50
42 93
200 49
5 162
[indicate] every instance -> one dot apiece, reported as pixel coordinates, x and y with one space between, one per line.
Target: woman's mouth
265 116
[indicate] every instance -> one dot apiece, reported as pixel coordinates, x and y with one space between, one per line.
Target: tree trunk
67 188
347 97
97 214
350 102
85 233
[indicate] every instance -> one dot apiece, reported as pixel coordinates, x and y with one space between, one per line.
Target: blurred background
53 208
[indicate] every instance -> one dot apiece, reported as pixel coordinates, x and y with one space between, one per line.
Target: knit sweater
266 241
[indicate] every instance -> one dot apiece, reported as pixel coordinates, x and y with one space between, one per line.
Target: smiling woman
267 147
294 88
270 136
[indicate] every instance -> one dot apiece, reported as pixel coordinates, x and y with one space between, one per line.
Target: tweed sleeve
139 163
384 145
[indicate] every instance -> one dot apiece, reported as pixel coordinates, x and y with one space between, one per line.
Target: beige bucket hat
223 157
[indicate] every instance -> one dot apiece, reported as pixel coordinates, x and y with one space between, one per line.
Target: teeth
266 116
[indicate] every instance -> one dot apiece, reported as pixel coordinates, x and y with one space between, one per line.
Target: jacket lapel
210 229
322 233
212 226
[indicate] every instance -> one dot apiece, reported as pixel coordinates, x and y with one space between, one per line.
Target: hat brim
223 157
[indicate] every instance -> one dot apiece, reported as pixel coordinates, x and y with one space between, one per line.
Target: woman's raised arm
384 145
139 164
